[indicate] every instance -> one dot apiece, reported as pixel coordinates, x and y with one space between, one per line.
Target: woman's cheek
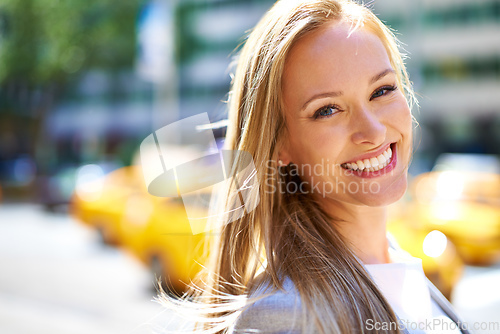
400 114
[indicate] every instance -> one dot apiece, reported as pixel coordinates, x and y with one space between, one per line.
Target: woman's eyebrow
382 74
320 96
374 79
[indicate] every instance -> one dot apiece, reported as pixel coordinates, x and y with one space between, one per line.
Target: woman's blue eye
378 93
326 112
383 91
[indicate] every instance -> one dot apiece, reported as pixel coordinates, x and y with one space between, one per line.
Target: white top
404 285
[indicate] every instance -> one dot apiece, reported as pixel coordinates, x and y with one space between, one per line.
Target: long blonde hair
289 231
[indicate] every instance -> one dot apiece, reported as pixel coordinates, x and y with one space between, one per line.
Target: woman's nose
368 128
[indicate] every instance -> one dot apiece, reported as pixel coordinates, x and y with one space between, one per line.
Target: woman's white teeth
360 164
373 164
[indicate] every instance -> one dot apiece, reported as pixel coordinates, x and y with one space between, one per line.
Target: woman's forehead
334 40
333 57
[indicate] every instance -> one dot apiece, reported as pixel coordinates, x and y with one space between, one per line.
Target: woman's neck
364 229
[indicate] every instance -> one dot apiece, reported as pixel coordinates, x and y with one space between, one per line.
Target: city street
56 278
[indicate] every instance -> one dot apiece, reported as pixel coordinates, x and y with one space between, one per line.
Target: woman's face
344 113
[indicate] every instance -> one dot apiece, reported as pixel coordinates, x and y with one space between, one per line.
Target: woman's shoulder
274 311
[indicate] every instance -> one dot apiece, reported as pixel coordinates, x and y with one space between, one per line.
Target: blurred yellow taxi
465 206
100 201
440 260
153 229
158 232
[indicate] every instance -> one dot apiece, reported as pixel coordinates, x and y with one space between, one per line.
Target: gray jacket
280 312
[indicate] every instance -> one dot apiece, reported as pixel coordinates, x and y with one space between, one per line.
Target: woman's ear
284 157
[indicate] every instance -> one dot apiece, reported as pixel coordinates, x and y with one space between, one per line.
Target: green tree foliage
44 46
45 41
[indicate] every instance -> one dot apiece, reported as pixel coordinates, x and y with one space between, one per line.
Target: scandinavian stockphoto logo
183 159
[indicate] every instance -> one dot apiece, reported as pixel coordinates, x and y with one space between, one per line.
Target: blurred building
454 50
207 34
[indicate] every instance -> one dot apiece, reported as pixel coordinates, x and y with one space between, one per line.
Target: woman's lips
365 173
372 162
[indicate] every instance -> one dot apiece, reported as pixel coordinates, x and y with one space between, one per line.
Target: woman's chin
388 195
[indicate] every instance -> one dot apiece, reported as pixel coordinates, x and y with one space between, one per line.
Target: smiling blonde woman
321 100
